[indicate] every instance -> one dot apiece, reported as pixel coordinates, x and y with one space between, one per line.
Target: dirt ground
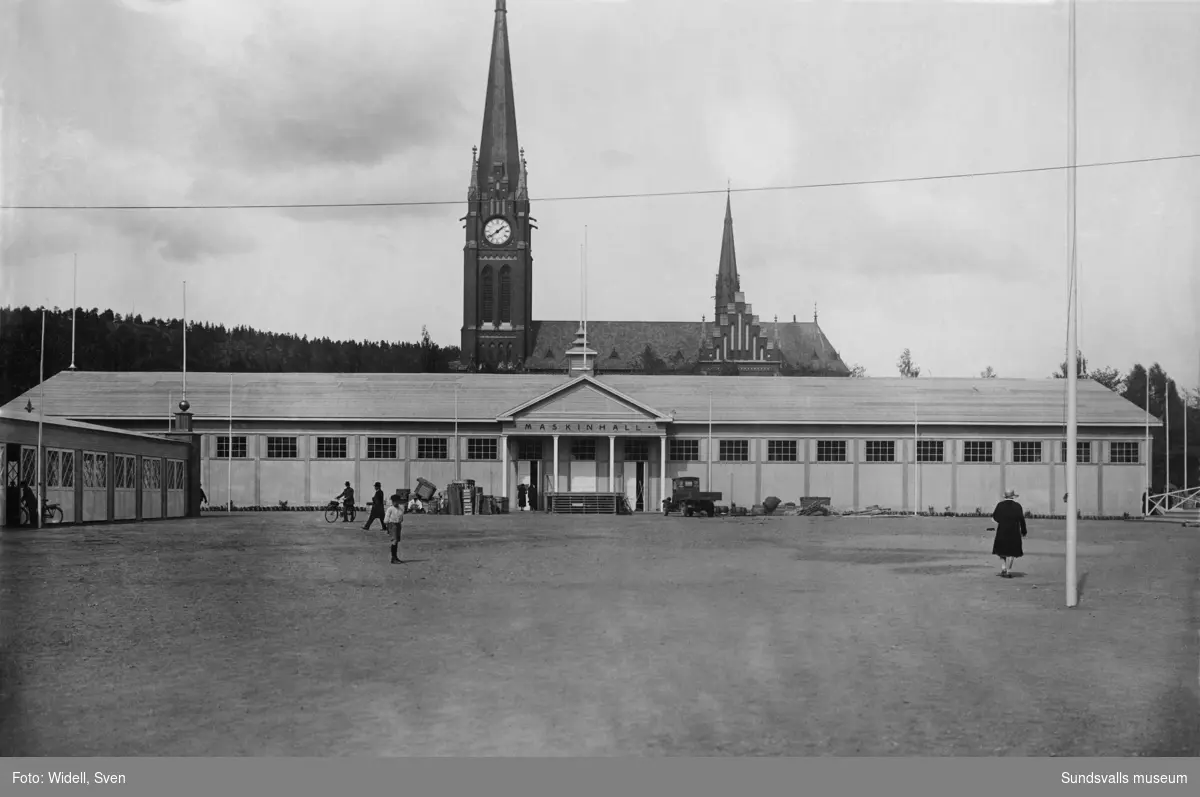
517 635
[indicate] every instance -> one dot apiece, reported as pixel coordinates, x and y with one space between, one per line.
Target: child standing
394 519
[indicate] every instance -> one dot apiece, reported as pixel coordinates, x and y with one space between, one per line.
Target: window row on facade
979 451
583 449
60 470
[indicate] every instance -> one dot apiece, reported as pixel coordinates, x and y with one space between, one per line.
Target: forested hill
108 341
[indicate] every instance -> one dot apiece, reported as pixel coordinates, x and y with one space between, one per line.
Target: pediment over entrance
585 400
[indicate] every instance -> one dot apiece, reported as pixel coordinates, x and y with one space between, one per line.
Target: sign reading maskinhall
584 428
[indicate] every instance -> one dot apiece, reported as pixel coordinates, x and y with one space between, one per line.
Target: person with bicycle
30 502
347 499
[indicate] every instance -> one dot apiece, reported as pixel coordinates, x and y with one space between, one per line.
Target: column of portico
504 467
554 483
612 456
664 490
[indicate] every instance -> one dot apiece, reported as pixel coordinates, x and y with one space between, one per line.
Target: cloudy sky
185 102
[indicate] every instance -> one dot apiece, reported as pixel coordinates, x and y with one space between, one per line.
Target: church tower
738 338
497 328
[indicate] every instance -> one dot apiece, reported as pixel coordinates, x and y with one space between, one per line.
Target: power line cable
646 195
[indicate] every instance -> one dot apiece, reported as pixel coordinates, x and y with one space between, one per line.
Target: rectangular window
1123 452
174 474
781 451
381 448
931 451
431 448
529 449
831 451
1027 451
637 451
1083 451
52 468
482 448
239 447
683 450
977 451
331 448
583 450
734 450
93 470
281 448
29 465
68 469
152 474
125 473
881 451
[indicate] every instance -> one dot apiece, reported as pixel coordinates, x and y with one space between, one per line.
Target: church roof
802 343
125 396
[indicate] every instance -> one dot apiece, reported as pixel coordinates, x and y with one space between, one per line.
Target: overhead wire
640 195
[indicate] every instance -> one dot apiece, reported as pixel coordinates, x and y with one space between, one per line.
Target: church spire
499 153
728 283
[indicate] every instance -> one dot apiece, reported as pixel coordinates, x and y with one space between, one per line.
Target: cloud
301 97
69 166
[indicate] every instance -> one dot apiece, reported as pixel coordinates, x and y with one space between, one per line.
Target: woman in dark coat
1010 528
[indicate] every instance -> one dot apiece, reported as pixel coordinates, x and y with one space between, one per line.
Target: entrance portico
584 412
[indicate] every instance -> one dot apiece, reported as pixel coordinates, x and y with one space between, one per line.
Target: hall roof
122 396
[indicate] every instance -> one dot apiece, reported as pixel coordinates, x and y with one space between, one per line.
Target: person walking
394 519
1010 528
376 509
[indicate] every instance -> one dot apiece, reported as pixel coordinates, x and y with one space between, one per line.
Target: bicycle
334 511
51 513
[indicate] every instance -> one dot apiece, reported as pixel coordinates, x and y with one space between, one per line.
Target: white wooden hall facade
956 443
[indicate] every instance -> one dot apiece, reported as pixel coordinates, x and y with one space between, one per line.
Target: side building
899 443
97 473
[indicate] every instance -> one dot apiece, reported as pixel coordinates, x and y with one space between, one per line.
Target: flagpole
74 302
185 344
916 460
229 449
1072 334
1146 467
585 287
710 445
41 489
1167 436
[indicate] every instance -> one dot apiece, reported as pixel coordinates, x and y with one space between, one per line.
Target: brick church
499 333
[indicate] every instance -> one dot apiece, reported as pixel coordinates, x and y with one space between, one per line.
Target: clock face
497 232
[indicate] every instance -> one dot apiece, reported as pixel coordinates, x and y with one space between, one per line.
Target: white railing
1188 498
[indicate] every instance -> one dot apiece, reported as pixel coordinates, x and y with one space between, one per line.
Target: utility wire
429 203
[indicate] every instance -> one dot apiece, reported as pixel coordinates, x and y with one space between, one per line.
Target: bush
770 504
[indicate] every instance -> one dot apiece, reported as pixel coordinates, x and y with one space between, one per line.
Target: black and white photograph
600 378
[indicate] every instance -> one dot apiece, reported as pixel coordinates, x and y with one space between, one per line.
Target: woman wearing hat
1010 528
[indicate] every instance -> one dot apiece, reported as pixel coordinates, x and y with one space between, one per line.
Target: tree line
108 341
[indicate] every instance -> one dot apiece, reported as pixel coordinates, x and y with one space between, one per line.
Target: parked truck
687 498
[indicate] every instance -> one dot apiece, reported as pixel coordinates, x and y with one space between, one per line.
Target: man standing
1010 528
376 509
347 497
29 501
394 519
